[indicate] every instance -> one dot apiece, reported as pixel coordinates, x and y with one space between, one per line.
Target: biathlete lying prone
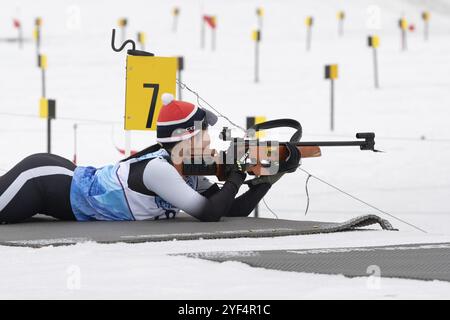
141 187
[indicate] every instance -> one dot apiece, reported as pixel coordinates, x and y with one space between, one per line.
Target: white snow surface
410 115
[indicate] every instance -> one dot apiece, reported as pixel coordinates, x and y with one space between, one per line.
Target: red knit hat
177 120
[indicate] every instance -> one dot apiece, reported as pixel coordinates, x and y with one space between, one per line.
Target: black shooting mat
415 261
44 232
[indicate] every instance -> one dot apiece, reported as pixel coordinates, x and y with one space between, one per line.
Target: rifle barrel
330 143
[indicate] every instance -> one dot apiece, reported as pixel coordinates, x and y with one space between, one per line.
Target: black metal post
49 135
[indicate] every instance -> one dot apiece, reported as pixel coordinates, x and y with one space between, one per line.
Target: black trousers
39 184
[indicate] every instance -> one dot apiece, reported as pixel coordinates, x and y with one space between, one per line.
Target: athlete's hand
265 179
292 161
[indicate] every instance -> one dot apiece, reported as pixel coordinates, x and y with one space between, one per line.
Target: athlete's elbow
209 212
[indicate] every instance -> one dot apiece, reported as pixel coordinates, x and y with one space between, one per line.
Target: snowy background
409 113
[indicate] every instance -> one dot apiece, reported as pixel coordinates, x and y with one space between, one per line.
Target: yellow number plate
147 79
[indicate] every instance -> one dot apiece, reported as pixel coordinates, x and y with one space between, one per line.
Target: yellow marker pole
331 73
202 32
260 15
42 64
426 21
180 68
256 35
175 13
403 25
251 121
122 23
47 110
37 34
374 42
213 34
341 18
309 21
141 37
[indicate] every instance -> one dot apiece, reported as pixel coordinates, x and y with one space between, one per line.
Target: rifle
264 157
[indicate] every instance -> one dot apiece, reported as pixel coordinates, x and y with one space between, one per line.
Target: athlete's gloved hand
265 179
236 172
292 161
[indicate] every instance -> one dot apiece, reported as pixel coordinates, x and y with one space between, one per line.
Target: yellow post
260 119
374 43
256 36
37 34
260 15
141 37
213 33
175 13
122 23
341 18
43 108
47 110
403 25
180 68
426 21
331 73
309 23
42 64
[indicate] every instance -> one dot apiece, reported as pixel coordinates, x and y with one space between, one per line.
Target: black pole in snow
331 73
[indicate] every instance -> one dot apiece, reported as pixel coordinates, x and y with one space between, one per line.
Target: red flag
16 23
211 21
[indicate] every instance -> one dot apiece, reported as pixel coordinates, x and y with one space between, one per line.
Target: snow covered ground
409 115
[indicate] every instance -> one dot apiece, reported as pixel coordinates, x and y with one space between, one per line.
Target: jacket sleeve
243 205
162 178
